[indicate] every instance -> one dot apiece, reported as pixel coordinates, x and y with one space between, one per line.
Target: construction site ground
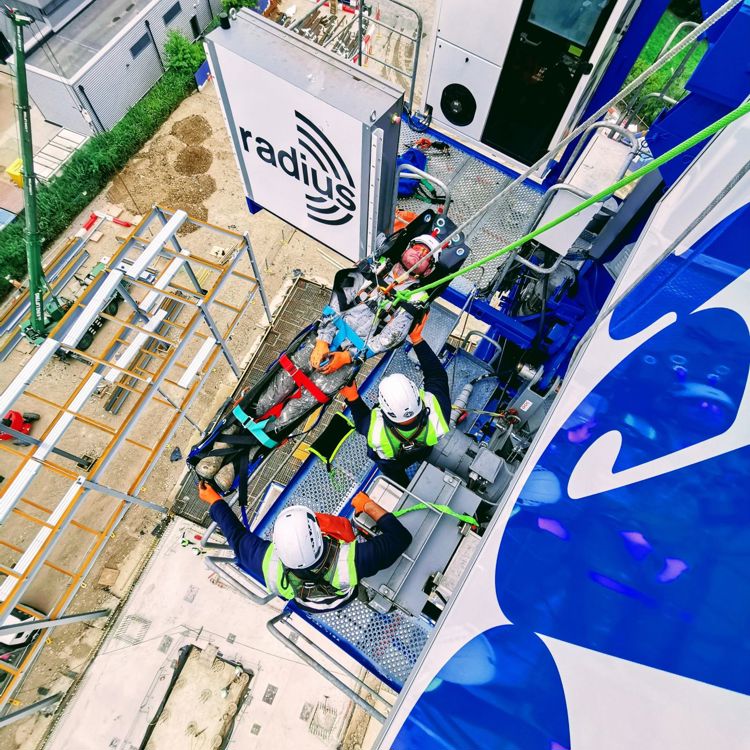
178 602
188 165
166 171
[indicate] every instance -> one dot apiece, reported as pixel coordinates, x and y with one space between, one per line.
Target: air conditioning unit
461 89
511 75
471 43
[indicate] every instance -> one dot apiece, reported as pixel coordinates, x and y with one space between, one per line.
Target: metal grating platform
303 304
472 182
390 644
327 493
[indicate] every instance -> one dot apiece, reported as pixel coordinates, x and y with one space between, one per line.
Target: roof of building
65 53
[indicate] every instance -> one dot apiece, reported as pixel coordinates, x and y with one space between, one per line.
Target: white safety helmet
399 398
297 537
421 255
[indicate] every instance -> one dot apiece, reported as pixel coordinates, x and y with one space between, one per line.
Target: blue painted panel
656 572
724 72
675 125
501 690
709 7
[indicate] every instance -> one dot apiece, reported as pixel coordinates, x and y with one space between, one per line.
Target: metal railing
638 99
292 645
342 38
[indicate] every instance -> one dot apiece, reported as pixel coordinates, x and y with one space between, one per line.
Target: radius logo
316 164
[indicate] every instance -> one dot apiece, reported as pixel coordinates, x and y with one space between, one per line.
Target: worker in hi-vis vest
312 557
408 421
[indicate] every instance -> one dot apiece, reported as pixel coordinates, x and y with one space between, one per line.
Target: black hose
543 313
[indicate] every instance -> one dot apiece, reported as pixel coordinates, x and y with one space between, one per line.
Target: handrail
353 695
417 39
677 29
307 15
212 563
547 199
405 171
633 110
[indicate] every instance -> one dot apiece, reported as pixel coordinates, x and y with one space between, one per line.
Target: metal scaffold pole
33 245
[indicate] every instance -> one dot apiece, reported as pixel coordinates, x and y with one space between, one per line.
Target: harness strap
302 380
444 509
347 333
254 428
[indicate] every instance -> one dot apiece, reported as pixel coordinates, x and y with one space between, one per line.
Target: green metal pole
33 245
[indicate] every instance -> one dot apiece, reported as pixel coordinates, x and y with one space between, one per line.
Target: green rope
444 509
650 167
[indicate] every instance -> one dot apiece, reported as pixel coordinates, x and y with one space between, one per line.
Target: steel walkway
472 181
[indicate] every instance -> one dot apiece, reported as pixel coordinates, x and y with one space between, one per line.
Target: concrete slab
202 701
178 602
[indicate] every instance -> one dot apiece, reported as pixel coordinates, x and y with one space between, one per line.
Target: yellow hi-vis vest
336 586
389 446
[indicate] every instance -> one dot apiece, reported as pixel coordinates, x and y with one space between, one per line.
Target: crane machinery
43 315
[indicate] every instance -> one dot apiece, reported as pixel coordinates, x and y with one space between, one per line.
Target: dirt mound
193 160
192 130
189 193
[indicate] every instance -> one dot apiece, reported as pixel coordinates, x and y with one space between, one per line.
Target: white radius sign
300 158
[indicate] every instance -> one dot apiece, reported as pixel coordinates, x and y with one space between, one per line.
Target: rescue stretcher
248 430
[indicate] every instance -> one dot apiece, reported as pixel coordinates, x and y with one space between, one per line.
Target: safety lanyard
444 509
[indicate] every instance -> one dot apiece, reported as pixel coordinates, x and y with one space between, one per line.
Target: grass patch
652 107
89 170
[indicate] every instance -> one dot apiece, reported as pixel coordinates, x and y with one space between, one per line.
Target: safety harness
389 446
346 336
335 580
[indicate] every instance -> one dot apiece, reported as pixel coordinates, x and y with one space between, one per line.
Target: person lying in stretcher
358 323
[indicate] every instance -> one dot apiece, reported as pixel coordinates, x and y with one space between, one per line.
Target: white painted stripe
24 562
197 363
162 282
30 370
124 360
155 246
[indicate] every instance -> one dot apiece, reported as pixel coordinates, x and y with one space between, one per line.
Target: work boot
208 466
224 477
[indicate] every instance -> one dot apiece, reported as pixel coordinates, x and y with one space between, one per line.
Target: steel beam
29 710
30 440
29 626
163 236
256 271
219 339
90 485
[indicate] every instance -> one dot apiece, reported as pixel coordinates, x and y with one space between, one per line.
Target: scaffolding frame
207 301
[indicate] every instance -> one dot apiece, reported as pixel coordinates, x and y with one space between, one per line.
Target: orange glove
350 392
416 335
319 353
359 501
207 493
336 361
